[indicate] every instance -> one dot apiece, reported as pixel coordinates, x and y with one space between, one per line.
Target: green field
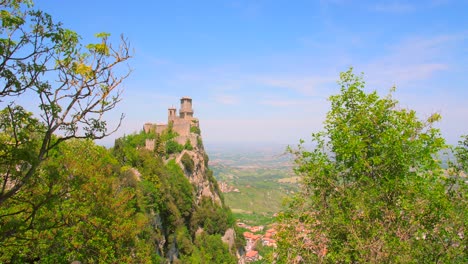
263 180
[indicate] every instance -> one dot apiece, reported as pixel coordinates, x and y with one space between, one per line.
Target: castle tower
186 111
171 114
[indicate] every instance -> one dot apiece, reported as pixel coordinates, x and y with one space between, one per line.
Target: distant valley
254 179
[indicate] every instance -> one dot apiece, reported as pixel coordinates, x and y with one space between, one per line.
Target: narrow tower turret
171 114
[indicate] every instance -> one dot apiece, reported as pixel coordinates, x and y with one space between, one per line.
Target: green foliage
76 208
126 148
63 198
461 154
159 147
211 217
68 83
199 143
210 249
195 129
254 218
259 188
173 147
372 189
266 252
181 189
188 163
188 145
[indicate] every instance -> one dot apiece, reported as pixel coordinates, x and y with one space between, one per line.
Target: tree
461 155
74 85
372 189
79 208
210 249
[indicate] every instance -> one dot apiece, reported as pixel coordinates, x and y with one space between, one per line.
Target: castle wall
181 126
182 139
160 128
148 127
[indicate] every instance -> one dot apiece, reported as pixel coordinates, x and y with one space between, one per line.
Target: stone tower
186 111
172 114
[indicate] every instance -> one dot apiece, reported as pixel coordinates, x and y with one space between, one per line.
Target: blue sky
261 71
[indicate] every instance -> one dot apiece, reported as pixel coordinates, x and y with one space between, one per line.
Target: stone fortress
181 124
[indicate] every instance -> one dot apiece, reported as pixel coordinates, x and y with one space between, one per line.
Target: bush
195 129
188 163
199 142
210 249
188 145
173 147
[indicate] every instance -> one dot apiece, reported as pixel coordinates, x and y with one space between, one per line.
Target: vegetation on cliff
184 220
122 205
372 188
63 198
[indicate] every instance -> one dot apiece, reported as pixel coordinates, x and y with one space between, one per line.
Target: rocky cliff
191 216
195 165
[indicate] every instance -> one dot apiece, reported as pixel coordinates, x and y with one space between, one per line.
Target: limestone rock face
229 237
200 177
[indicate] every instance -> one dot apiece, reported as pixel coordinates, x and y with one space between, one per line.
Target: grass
254 218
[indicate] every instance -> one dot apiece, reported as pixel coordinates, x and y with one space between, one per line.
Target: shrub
195 129
188 163
188 145
173 147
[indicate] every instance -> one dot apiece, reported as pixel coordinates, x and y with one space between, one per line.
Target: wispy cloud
413 59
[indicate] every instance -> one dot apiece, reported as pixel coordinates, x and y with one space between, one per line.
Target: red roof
250 235
251 254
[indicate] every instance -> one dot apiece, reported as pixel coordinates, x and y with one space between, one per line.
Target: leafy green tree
74 86
461 155
213 218
373 191
79 208
210 249
159 148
